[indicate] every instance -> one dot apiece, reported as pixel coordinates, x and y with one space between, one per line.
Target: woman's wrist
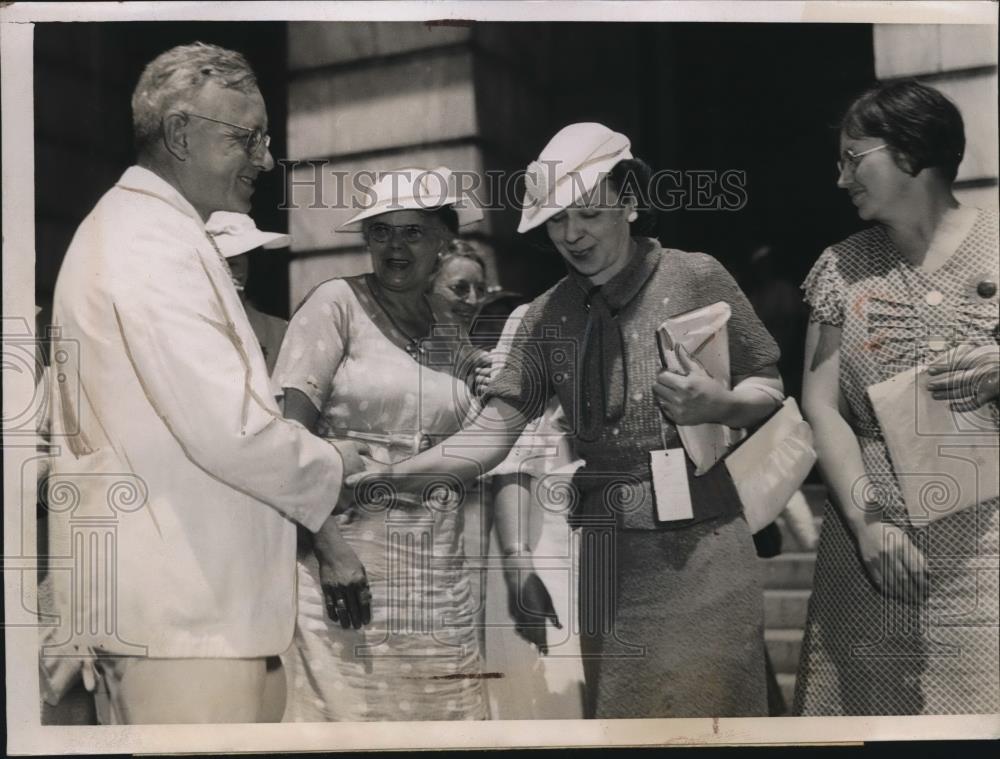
745 406
518 556
862 508
736 410
518 549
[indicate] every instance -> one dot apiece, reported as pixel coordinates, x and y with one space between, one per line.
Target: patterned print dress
863 653
419 658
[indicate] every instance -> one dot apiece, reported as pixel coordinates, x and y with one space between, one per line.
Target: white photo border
27 736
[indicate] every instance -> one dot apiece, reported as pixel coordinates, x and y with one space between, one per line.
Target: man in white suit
183 582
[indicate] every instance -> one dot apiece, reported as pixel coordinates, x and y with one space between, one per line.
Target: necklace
413 346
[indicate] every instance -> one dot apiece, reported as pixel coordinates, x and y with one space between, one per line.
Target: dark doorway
759 99
763 99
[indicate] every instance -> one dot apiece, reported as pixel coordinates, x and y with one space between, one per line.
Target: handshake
370 484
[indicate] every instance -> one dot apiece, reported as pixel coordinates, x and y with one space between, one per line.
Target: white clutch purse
943 460
770 465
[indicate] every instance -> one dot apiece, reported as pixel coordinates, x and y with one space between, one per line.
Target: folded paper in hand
943 460
704 336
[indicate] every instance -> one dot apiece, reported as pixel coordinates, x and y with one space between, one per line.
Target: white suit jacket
173 500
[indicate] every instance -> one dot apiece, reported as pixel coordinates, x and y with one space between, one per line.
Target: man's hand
351 454
342 576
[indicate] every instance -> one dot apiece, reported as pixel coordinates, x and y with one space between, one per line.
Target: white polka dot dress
419 659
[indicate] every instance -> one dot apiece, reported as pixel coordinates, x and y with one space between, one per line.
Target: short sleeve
824 290
528 453
751 347
523 379
315 343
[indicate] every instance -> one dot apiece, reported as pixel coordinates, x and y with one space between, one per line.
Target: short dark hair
630 176
922 127
633 176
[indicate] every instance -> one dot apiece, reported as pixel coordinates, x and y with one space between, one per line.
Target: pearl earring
632 216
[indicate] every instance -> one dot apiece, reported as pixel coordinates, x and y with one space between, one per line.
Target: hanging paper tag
670 485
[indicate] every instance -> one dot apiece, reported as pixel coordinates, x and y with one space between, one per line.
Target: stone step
784 647
789 542
789 571
787 684
785 609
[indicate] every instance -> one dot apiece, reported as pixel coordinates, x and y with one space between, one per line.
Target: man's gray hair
175 77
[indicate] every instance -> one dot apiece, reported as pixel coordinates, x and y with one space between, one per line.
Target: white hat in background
414 188
236 233
573 162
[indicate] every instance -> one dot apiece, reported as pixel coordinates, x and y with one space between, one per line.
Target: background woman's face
406 259
459 290
876 185
593 234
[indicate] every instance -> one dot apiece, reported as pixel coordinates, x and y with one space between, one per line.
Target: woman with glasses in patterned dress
903 616
366 358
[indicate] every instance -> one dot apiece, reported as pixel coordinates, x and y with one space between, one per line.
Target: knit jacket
659 283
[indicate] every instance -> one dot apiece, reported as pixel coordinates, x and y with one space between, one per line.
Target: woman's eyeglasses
382 233
850 160
256 138
464 289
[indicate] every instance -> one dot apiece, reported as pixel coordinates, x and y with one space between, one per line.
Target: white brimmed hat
414 188
236 233
573 162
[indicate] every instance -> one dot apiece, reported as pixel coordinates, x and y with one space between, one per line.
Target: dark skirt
672 622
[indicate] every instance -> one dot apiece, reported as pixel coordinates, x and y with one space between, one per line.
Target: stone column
961 61
372 97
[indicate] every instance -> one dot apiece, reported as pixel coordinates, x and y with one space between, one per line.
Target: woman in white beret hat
671 611
236 236
365 358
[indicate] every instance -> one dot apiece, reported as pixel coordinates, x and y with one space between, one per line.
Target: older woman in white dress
364 360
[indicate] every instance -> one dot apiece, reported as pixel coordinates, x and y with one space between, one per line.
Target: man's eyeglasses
256 138
381 233
850 160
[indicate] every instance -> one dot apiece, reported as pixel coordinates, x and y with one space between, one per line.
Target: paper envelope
703 334
943 460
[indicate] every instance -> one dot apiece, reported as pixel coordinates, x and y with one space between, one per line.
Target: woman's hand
692 397
968 376
528 602
343 579
355 458
893 561
482 372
